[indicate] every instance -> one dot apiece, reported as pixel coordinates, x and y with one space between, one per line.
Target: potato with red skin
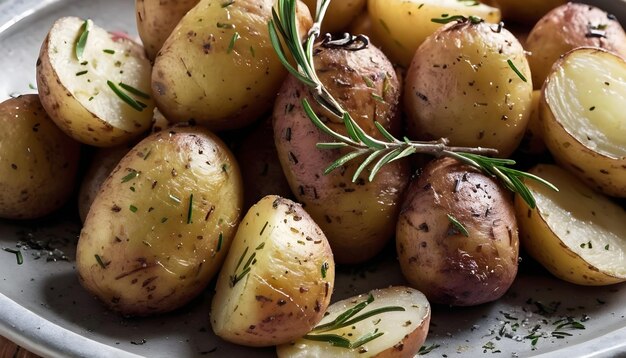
358 217
436 256
566 28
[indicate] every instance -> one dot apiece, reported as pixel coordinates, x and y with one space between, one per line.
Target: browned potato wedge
398 331
457 237
103 97
160 227
462 85
566 28
357 217
38 162
582 112
156 19
277 279
577 234
102 164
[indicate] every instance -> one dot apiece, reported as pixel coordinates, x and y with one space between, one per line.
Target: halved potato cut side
576 233
392 322
584 118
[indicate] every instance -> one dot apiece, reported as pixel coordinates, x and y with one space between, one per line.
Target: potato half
38 162
160 227
277 279
577 234
403 25
463 85
398 332
567 27
99 95
582 112
448 265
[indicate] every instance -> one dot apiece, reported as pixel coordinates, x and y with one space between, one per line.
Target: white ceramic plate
43 307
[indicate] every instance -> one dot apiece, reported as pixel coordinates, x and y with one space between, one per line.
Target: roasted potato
528 11
218 67
582 113
457 238
102 164
339 13
358 217
566 28
160 227
403 25
156 19
399 331
94 85
577 234
278 277
463 85
262 173
38 162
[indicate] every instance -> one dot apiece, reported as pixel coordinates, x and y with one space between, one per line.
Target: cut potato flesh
587 93
399 331
576 233
116 65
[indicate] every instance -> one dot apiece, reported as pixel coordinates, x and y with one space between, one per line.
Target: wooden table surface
9 349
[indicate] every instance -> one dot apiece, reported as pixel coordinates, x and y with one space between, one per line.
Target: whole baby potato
469 82
156 19
357 215
38 162
160 227
218 67
457 237
567 27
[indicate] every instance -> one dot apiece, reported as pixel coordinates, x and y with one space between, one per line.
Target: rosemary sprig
376 153
346 319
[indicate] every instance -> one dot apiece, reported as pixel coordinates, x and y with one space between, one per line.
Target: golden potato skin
156 19
526 12
38 162
568 27
290 279
102 164
159 229
435 257
402 26
218 67
261 170
358 218
339 13
460 86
